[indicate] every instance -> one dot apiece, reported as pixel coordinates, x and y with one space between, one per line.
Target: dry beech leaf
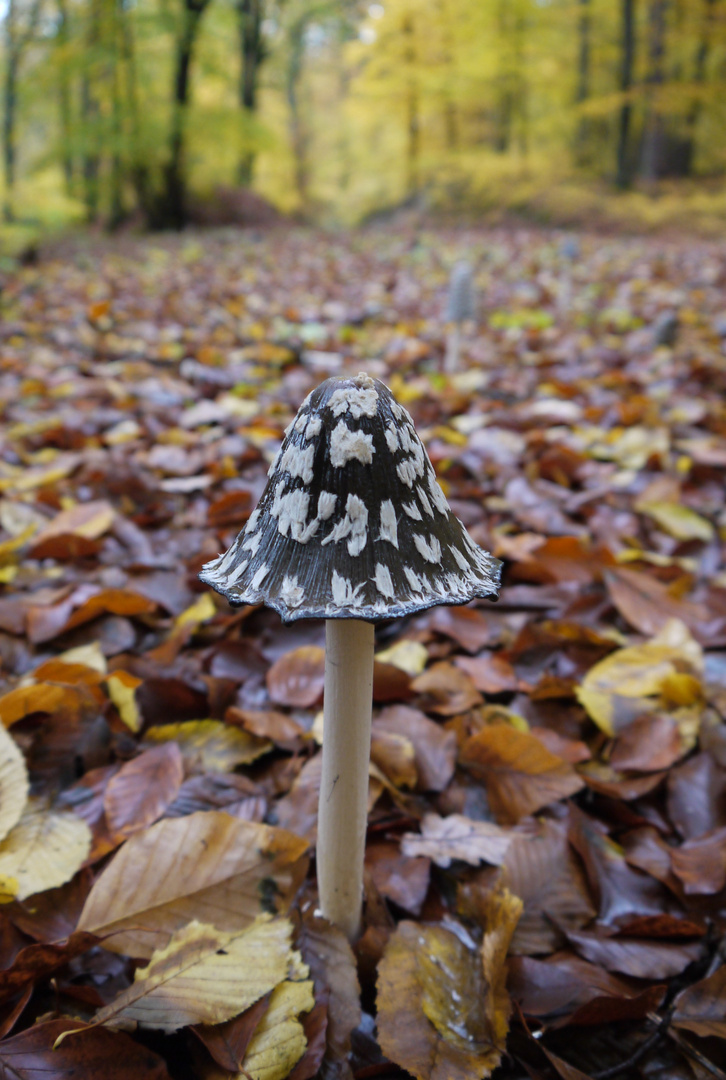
397 877
297 678
204 976
92 1052
325 948
638 679
142 789
642 958
13 783
434 749
678 521
647 604
395 757
702 1007
443 1007
458 837
543 871
701 864
207 865
88 520
36 962
44 850
209 745
409 656
520 774
447 690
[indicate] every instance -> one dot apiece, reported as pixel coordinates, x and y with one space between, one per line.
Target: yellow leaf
89 520
40 697
639 678
9 547
279 1040
13 783
409 656
90 656
205 976
502 912
207 865
210 745
44 850
122 691
679 521
198 613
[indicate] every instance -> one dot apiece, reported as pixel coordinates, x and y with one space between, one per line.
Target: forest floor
159 752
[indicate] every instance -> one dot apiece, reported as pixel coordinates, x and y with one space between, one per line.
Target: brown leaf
142 789
697 796
395 757
702 1007
45 623
447 690
398 876
431 1006
280 728
643 959
490 672
37 962
543 871
228 1042
332 963
434 748
298 677
207 864
650 743
94 1051
521 776
647 604
701 864
466 626
39 697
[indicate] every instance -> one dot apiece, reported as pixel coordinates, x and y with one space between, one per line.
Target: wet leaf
297 678
702 1007
93 1051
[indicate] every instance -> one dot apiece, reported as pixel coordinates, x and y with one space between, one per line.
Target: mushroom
460 307
352 528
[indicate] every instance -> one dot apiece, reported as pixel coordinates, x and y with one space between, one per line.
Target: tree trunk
451 114
64 104
699 78
583 79
90 112
298 135
413 126
654 132
15 44
505 103
623 174
173 212
252 55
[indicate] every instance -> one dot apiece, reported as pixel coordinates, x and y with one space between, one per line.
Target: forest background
334 110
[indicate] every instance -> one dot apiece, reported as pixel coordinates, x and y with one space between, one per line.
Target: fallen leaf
37 962
88 520
641 958
228 1042
409 656
45 849
399 878
206 865
92 1051
431 999
13 783
648 744
142 789
458 837
647 604
122 688
434 748
279 1040
446 690
204 976
326 950
490 673
520 774
678 521
702 1007
701 864
298 677
209 745
24 700
640 678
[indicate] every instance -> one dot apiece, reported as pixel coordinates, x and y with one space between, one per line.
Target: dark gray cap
352 523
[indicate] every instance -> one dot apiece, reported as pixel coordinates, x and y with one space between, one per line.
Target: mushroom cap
352 523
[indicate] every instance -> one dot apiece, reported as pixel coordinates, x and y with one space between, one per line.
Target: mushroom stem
453 347
343 806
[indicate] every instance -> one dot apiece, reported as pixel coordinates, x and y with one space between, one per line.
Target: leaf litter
547 803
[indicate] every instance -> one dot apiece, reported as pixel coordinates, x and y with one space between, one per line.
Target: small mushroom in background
665 329
460 307
352 527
